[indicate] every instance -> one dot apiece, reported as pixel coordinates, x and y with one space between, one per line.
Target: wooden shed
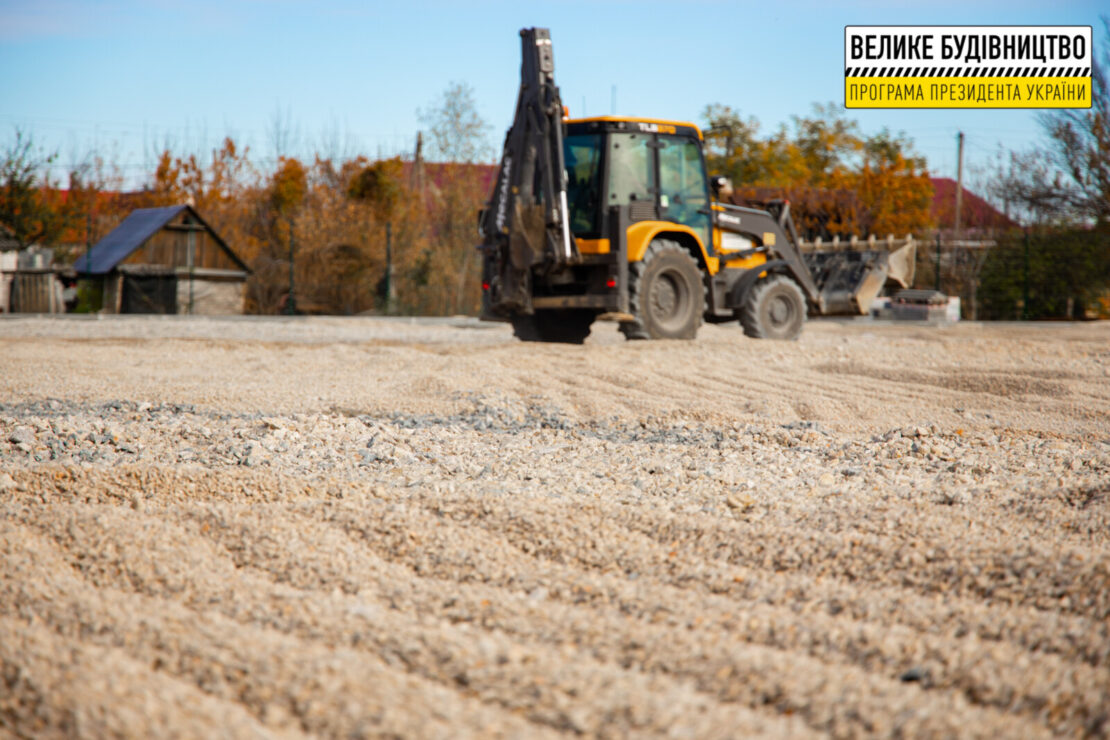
28 280
164 260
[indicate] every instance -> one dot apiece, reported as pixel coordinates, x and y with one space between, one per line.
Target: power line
157 129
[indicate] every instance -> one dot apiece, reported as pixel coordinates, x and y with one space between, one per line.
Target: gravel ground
397 528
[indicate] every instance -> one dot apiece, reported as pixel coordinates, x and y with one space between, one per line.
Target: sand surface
423 528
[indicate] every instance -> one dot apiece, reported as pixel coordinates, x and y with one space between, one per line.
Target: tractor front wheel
775 309
665 294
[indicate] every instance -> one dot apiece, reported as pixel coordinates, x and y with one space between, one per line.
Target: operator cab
654 167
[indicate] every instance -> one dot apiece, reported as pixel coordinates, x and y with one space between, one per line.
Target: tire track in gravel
1079 585
902 401
695 570
1023 624
869 511
701 543
40 670
1068 525
881 648
279 679
995 383
578 694
570 384
1047 631
816 384
1048 670
736 671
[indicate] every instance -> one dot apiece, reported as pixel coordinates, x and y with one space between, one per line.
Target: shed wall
35 292
171 249
210 297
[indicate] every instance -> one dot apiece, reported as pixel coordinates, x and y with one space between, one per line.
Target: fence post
291 301
1025 280
938 263
390 300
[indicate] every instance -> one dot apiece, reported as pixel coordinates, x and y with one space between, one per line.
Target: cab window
582 155
683 190
631 169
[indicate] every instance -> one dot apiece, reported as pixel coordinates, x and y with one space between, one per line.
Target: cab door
683 186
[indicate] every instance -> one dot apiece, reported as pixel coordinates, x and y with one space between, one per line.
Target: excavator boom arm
527 215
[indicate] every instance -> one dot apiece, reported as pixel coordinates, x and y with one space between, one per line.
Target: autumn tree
894 188
337 243
277 211
166 186
459 135
826 143
1079 143
838 181
339 252
208 187
732 147
29 205
1066 180
809 154
288 187
459 138
92 200
379 186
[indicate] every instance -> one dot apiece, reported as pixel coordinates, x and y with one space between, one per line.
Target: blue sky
126 78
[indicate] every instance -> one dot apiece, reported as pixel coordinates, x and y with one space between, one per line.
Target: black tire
666 294
775 309
567 326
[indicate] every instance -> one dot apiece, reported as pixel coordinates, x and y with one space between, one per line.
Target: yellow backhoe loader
616 219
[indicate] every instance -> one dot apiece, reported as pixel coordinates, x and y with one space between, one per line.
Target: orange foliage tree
894 188
839 182
30 205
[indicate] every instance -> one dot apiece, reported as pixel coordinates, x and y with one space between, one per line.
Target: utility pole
1025 279
416 178
191 242
88 265
390 297
938 262
959 181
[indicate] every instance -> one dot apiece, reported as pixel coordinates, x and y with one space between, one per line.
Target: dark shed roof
132 233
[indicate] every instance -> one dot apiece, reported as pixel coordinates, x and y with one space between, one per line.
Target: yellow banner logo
967 66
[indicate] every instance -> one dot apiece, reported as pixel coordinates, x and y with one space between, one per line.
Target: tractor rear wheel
775 309
566 326
665 294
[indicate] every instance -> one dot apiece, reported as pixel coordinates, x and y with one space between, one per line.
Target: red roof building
977 216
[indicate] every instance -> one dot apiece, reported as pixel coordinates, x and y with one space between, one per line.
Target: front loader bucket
849 280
